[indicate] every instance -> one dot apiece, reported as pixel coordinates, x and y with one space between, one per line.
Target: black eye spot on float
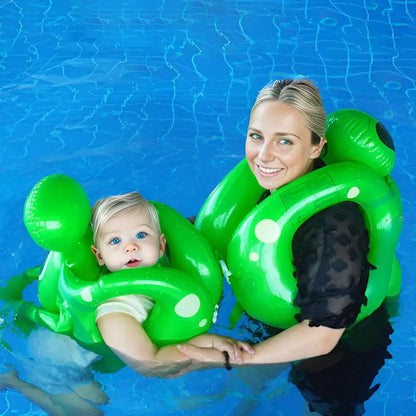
384 136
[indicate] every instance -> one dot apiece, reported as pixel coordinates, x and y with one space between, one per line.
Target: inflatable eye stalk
57 213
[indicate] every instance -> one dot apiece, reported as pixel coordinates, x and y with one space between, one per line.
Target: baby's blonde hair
106 208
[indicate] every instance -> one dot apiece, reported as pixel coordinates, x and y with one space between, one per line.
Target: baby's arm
127 338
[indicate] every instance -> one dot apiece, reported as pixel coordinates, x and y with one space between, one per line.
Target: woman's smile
279 145
268 171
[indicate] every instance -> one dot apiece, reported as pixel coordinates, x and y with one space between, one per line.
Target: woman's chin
268 183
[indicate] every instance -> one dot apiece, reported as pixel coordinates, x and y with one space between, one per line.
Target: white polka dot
267 231
353 192
202 323
254 256
188 306
86 295
215 314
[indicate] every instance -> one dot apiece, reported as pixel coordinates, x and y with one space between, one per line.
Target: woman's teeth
269 170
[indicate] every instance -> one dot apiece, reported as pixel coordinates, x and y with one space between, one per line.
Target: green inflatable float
186 284
256 240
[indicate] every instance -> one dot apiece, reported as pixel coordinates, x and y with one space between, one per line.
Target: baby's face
128 240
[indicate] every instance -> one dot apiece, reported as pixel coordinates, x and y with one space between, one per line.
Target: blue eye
141 235
115 241
285 141
255 136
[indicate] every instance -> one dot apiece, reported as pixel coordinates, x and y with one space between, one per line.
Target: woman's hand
203 348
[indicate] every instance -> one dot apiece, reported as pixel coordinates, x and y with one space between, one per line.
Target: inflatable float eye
384 136
357 136
256 240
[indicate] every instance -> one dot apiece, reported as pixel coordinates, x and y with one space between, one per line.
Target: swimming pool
155 96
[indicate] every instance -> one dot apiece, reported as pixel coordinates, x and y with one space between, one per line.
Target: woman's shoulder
339 222
340 212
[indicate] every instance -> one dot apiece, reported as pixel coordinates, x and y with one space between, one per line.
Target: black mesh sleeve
330 251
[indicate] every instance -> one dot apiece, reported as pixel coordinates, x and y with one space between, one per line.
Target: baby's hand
233 347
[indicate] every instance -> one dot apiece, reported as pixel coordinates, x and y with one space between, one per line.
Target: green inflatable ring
186 288
256 240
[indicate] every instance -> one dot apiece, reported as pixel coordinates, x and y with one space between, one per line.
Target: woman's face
278 145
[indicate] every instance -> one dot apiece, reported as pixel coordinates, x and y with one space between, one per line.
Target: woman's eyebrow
278 133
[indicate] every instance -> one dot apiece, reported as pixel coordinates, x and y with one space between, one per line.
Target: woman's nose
266 152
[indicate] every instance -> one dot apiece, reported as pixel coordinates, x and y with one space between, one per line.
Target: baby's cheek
154 258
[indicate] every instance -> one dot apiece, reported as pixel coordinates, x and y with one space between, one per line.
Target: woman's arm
296 343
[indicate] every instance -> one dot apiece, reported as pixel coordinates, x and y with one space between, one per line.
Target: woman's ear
318 148
97 254
162 244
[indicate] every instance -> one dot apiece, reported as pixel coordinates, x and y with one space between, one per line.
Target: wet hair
105 208
301 94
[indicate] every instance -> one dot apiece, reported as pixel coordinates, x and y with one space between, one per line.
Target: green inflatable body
256 240
186 288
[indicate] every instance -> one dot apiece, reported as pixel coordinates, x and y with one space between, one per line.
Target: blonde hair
106 208
301 94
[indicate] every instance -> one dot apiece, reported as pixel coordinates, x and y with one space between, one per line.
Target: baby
127 234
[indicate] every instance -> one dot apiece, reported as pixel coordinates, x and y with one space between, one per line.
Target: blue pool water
155 96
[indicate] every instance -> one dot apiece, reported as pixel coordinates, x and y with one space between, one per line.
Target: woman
285 139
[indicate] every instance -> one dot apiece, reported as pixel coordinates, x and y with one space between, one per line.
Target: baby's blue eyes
117 240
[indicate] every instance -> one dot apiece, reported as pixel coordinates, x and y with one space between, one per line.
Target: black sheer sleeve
330 251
